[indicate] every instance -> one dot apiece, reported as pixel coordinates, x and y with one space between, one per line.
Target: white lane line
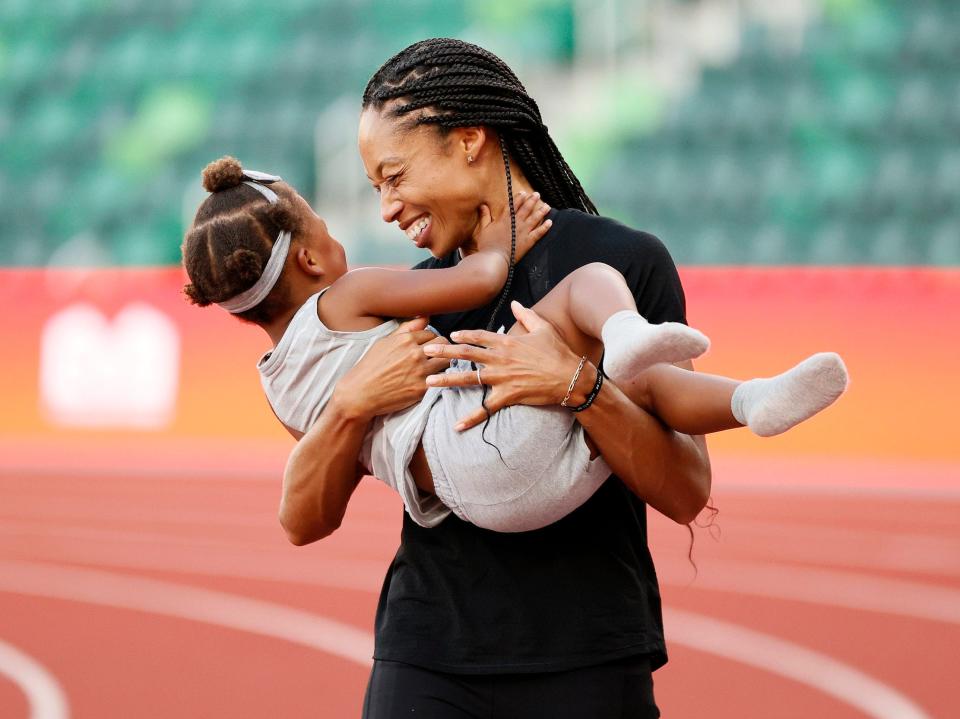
698 632
316 570
862 547
778 656
792 661
175 536
945 487
43 692
185 602
824 587
830 587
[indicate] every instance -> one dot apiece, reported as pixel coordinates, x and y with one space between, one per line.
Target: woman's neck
499 204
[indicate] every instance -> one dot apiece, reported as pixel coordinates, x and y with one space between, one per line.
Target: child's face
316 237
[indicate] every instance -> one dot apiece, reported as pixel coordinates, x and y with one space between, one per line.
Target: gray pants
544 474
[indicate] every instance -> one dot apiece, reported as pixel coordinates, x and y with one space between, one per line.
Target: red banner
113 368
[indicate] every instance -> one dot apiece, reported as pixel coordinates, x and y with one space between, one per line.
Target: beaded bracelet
573 382
593 394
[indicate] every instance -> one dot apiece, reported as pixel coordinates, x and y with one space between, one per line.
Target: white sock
631 344
769 406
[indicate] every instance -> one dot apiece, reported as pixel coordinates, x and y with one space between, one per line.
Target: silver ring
479 381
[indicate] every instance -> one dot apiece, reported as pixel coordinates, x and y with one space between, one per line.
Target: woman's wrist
584 383
351 407
594 392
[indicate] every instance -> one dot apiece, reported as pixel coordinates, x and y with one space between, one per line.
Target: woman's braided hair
229 243
466 86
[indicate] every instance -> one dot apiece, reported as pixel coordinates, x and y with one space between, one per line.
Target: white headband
252 297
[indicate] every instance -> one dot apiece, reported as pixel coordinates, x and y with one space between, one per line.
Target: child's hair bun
245 267
222 174
195 295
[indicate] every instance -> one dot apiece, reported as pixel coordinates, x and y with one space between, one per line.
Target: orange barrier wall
898 330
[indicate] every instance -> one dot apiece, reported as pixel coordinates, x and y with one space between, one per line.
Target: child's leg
697 403
686 401
593 305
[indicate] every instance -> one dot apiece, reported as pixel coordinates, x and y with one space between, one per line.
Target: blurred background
801 161
795 132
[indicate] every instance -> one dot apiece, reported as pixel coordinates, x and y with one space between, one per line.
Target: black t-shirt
577 593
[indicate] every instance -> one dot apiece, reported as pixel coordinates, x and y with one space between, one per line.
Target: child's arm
475 281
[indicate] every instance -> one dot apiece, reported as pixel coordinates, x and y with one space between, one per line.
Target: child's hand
493 236
531 225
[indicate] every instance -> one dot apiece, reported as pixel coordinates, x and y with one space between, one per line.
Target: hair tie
259 181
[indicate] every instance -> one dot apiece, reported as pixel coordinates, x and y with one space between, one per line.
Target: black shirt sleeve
640 257
655 282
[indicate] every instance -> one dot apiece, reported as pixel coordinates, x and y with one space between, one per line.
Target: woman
560 622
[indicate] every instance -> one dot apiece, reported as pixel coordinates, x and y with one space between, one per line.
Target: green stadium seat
944 247
843 151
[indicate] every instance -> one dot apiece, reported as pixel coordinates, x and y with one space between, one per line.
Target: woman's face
424 180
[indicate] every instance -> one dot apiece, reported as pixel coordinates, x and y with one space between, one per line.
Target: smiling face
425 182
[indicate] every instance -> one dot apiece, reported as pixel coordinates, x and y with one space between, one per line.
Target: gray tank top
299 375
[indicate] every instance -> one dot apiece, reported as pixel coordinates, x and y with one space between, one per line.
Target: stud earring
470 159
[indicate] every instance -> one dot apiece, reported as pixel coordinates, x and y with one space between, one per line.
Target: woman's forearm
321 474
322 470
668 470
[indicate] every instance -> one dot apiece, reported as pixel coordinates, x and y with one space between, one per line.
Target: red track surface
99 583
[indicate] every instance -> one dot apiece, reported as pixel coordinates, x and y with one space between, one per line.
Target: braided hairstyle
229 243
466 86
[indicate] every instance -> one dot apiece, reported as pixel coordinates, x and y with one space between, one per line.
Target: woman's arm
473 282
322 471
668 470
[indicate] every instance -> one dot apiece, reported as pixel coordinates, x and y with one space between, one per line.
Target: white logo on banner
97 373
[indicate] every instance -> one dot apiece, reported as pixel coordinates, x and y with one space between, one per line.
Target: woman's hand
533 368
391 375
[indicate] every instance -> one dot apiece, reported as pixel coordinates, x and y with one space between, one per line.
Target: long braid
513 239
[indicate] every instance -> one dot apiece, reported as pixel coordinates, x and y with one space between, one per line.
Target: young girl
258 250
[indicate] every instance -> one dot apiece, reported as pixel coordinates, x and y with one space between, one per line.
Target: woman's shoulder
595 238
642 259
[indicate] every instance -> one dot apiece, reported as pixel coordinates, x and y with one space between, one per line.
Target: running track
146 593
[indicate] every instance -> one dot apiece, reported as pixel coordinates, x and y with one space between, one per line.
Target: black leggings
617 690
